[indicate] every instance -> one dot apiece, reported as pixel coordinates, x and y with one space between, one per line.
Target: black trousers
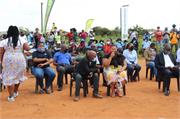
167 75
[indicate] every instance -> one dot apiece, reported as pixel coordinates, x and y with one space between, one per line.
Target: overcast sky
74 13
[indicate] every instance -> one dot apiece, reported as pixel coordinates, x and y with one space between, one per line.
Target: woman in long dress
13 61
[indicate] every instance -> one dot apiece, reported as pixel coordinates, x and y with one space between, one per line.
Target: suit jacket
160 62
86 66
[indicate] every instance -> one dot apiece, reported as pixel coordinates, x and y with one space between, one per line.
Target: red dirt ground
143 101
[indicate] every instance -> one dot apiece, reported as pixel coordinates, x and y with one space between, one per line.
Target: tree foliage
140 30
102 31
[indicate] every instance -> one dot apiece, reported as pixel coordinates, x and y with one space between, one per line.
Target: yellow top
174 38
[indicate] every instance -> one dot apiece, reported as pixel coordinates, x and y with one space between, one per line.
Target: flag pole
41 17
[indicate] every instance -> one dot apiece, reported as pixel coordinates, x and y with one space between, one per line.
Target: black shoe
167 92
97 96
59 89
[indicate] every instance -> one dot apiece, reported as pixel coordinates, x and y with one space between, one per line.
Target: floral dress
14 63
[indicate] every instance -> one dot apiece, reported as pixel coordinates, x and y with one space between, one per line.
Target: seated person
166 65
150 54
178 56
145 44
107 47
132 62
114 70
62 60
119 44
100 45
42 60
86 68
116 80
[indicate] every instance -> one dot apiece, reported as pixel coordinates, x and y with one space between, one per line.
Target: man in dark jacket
85 68
166 65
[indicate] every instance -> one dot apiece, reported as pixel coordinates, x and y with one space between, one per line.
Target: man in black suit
166 65
85 68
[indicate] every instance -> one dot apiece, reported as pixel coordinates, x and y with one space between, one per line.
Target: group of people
113 60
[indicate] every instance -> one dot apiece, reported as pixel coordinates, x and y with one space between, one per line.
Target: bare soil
143 101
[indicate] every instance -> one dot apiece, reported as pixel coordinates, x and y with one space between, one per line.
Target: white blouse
21 42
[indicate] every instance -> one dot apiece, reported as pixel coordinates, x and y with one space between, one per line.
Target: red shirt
70 35
158 35
83 35
107 49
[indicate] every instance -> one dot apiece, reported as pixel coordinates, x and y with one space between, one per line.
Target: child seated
116 80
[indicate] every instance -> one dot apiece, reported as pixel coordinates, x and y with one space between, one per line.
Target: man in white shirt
133 67
167 68
178 56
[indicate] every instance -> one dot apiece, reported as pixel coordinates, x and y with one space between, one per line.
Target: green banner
50 4
89 24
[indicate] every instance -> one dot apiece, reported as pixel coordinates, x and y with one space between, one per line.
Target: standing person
36 37
174 39
166 36
147 35
13 61
83 35
30 38
145 44
75 35
174 29
58 39
134 41
91 36
51 39
70 35
133 35
158 35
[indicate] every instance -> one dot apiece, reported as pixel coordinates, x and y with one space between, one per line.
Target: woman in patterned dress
13 61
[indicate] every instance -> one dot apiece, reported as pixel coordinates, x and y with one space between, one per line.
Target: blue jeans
151 65
41 73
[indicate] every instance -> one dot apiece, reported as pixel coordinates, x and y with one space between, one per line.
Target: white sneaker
11 99
15 94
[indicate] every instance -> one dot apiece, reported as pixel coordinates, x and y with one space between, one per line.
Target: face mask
151 49
108 42
131 48
41 49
